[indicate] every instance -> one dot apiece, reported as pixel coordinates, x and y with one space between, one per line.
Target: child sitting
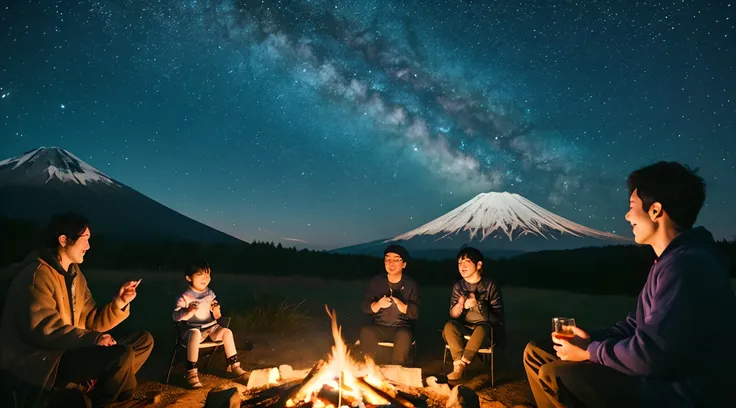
199 309
476 308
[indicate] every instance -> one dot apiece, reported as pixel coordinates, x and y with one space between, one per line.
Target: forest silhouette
612 270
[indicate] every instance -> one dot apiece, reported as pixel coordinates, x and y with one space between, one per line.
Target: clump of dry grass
271 315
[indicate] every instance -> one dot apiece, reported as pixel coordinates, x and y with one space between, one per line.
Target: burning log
396 401
326 403
288 399
331 396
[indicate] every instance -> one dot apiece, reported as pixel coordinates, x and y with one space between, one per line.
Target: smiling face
643 223
74 251
394 264
468 269
199 280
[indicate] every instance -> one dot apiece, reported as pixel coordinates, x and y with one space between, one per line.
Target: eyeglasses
393 260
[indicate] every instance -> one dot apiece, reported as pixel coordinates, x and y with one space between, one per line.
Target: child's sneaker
457 370
235 369
193 378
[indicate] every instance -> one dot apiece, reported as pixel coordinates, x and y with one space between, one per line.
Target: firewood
332 397
395 401
327 403
293 392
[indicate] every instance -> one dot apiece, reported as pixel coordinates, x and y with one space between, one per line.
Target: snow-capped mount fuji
500 224
49 180
48 163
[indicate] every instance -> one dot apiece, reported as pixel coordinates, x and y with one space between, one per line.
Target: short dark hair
70 224
470 253
398 250
676 186
196 266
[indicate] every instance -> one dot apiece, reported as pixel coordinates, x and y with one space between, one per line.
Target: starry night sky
329 123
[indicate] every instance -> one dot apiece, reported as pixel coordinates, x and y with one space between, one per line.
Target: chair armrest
224 321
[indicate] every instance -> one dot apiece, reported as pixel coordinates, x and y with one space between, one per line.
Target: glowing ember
343 382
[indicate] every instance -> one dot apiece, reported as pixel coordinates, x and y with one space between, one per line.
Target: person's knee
530 347
367 332
146 342
449 329
124 355
529 351
227 333
483 328
193 337
403 336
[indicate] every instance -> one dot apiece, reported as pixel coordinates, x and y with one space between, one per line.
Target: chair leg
171 363
444 360
493 370
210 356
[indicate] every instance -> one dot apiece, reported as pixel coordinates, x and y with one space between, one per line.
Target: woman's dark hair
470 253
196 266
69 224
677 187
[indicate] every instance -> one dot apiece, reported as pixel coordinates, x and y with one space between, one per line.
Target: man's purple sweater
678 340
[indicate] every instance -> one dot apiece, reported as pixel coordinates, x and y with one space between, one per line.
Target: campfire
341 381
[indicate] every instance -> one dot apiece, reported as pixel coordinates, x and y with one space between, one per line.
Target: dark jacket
407 291
490 305
677 341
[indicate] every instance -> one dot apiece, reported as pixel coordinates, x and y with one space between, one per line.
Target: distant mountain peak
49 180
56 163
503 215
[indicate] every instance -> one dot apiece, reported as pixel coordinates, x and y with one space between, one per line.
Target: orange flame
340 374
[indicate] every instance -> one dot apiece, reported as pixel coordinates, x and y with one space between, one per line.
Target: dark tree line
608 270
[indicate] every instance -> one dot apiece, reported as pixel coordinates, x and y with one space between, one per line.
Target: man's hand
127 293
384 302
461 301
105 340
400 305
575 349
470 302
457 309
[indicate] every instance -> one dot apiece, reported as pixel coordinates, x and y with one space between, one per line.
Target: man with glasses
392 301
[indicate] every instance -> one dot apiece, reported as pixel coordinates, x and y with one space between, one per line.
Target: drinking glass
562 327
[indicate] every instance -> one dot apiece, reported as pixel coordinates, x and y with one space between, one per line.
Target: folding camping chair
484 354
413 348
223 321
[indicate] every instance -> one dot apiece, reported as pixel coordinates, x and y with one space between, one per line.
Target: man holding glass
670 352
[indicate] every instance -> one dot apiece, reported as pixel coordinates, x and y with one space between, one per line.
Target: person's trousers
454 334
113 367
557 383
371 334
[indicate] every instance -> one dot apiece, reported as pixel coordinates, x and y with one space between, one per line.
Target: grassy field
291 309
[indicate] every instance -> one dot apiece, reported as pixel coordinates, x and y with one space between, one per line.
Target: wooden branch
332 396
395 401
292 393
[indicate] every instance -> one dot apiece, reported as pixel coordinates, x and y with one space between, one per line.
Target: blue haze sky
330 123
